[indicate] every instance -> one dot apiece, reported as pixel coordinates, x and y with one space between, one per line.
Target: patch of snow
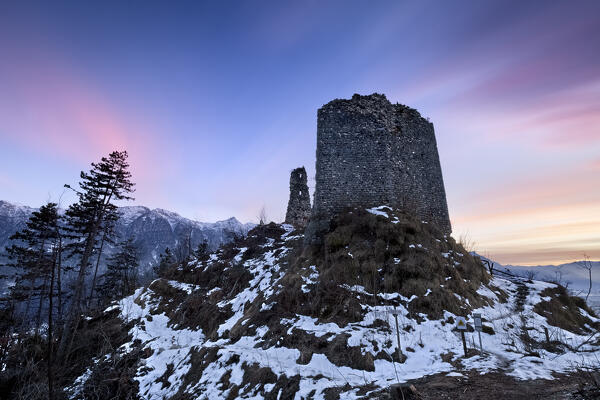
379 211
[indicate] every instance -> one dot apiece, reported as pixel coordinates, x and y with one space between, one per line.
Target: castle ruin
298 211
371 152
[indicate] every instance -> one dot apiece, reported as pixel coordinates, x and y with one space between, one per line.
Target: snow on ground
429 340
429 345
573 275
168 345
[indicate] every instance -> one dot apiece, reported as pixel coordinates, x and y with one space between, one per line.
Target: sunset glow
216 105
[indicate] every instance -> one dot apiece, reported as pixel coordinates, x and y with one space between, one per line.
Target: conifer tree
165 261
202 251
37 251
87 219
120 278
34 253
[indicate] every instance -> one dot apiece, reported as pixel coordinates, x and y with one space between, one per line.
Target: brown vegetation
404 256
564 311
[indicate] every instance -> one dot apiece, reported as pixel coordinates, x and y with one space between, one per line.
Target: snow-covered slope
265 318
572 275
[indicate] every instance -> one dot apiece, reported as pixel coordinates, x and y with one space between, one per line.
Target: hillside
266 318
571 275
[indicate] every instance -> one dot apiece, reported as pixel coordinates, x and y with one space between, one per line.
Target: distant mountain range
571 275
151 230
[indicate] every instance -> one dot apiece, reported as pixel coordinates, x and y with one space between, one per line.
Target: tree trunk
29 298
38 269
50 329
590 289
41 305
96 270
75 309
58 284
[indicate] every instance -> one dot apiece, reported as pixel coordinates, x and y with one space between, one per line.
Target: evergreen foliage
165 261
91 219
202 251
120 278
35 255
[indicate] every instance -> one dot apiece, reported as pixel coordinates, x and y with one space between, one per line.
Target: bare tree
262 216
467 242
530 275
587 265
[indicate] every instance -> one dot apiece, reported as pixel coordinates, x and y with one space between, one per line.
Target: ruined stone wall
371 152
298 210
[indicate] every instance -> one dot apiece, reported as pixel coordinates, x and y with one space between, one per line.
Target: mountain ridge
153 230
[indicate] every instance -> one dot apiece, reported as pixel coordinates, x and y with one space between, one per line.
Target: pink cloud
49 109
540 190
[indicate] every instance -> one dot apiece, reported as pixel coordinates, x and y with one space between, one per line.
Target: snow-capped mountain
12 218
152 230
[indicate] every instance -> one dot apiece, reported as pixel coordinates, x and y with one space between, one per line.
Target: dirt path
521 297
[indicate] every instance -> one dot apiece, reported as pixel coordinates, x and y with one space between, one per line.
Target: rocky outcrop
298 210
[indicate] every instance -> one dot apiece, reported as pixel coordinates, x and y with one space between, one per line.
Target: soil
499 386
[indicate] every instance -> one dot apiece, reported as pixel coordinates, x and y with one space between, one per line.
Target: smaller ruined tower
298 210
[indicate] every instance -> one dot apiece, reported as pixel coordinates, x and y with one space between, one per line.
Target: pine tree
107 238
202 251
88 219
34 254
37 253
165 261
120 278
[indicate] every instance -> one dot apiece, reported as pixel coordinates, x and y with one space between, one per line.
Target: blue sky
216 102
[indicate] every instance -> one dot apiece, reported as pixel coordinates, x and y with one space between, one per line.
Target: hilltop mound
265 317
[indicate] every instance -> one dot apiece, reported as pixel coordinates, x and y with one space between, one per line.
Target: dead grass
564 311
404 257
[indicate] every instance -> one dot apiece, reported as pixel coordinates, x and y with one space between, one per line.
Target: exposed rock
298 210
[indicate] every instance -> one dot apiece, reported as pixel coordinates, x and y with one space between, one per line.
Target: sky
216 103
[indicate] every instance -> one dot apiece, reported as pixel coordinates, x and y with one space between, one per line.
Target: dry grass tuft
564 311
404 257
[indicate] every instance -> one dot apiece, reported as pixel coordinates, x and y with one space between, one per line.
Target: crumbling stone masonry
298 210
371 152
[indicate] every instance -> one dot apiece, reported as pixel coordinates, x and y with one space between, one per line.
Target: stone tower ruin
371 152
298 210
